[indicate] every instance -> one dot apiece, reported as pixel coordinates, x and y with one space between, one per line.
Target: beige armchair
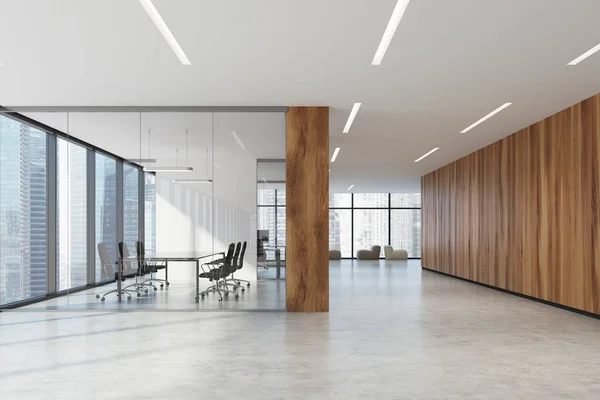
391 254
335 255
372 254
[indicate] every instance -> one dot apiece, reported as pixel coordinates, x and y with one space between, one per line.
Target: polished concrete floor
394 332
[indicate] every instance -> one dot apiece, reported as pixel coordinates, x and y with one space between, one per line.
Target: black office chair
152 266
138 269
239 265
218 273
110 269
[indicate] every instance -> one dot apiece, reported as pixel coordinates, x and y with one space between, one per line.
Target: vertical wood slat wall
522 214
307 209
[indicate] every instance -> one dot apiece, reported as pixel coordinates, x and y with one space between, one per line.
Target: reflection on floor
394 332
261 295
271 272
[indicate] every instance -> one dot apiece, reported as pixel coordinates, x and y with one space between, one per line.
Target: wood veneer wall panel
307 209
523 214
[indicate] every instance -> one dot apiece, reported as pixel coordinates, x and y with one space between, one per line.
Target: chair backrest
236 255
124 255
140 249
376 250
241 260
105 260
388 250
229 255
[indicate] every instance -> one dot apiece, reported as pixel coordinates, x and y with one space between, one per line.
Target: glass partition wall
182 183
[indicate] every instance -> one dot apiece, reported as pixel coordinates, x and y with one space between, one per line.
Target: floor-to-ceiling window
71 215
106 211
340 223
131 224
150 213
23 211
361 220
45 178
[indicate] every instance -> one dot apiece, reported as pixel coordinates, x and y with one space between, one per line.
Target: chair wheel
162 286
102 299
243 290
226 294
202 297
168 283
146 291
237 296
128 297
220 299
155 288
97 296
248 284
139 295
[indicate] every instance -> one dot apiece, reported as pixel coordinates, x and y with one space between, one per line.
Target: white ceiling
450 63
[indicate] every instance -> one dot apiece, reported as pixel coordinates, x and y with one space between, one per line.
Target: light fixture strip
335 154
350 188
192 181
392 25
427 154
490 115
169 169
585 55
353 113
165 31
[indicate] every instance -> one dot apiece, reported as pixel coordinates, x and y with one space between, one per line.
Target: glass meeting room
155 210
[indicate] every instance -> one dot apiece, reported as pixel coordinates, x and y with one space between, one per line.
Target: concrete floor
394 332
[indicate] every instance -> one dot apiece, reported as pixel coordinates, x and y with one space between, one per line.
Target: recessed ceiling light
585 55
165 31
490 115
335 154
192 181
351 117
1 64
427 154
238 140
397 15
350 188
168 169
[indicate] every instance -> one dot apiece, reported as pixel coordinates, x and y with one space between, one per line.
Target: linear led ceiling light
397 15
490 115
192 181
585 55
168 169
351 117
142 160
335 154
427 154
350 188
165 31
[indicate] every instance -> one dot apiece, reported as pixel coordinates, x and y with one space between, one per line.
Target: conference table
166 258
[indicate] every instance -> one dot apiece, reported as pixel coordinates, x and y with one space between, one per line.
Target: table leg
167 273
120 277
197 279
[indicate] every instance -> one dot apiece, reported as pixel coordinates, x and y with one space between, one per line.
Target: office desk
194 256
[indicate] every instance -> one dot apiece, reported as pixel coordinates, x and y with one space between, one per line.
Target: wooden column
307 216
